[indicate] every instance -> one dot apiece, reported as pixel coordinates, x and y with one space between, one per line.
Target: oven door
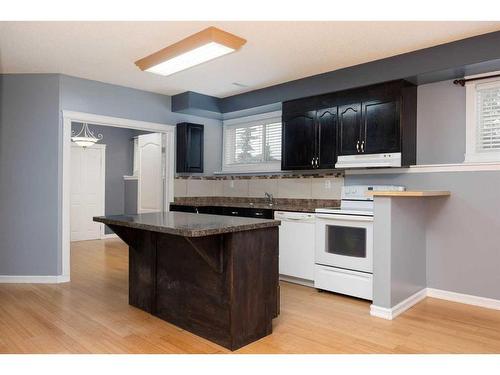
344 241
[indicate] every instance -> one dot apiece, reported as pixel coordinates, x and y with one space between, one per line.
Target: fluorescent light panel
196 49
191 58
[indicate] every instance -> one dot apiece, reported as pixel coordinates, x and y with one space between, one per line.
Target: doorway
160 142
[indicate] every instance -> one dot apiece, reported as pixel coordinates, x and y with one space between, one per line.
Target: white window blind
488 120
252 143
483 120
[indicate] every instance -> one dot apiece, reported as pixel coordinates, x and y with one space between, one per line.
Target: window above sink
252 143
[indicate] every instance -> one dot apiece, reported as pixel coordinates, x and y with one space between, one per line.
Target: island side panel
142 266
254 283
193 285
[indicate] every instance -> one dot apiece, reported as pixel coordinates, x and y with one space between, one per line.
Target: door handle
357 146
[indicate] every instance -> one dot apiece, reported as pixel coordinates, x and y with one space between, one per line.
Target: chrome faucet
269 198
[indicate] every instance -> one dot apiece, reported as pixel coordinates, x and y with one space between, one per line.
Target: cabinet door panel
189 148
381 127
327 137
298 139
194 156
349 129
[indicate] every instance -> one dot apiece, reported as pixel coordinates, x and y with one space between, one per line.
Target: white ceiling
275 52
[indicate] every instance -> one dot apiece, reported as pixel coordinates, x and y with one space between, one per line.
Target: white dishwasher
296 247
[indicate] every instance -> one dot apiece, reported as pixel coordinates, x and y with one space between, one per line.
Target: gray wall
109 100
119 162
29 170
440 123
131 191
31 157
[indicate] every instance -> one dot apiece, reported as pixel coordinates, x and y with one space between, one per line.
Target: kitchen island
215 276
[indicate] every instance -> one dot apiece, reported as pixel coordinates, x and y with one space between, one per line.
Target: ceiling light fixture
198 48
85 138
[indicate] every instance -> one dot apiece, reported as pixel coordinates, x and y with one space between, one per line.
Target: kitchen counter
410 193
187 224
215 276
279 204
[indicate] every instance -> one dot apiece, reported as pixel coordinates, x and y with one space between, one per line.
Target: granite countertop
187 224
280 204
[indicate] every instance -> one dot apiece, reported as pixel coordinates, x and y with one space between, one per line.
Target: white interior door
87 191
150 184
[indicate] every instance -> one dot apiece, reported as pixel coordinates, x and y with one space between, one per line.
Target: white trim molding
467 299
391 313
6 279
117 122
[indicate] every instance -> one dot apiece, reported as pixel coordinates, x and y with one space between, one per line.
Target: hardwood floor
91 315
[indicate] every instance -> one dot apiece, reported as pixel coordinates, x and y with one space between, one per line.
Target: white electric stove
344 242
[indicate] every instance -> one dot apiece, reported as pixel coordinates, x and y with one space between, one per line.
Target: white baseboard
468 299
6 279
391 313
108 236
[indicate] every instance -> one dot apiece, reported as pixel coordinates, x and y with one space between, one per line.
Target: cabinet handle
362 146
357 146
317 162
234 212
312 162
259 214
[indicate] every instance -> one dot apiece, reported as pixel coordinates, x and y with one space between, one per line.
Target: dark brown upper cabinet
298 135
380 127
326 127
375 119
308 139
349 129
369 128
189 148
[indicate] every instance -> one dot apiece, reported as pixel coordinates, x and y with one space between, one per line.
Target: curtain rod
463 81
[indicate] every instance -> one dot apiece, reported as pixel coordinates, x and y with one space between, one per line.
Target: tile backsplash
300 187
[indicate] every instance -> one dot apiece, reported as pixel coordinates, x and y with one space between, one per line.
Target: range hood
369 160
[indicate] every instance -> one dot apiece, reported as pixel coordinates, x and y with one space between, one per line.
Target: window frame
472 155
247 121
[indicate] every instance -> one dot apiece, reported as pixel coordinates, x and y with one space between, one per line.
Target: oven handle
344 217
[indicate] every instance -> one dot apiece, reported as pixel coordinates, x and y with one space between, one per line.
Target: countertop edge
409 193
190 232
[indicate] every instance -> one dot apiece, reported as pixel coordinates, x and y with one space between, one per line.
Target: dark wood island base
223 287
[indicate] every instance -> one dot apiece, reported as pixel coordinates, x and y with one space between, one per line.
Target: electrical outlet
231 184
328 184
